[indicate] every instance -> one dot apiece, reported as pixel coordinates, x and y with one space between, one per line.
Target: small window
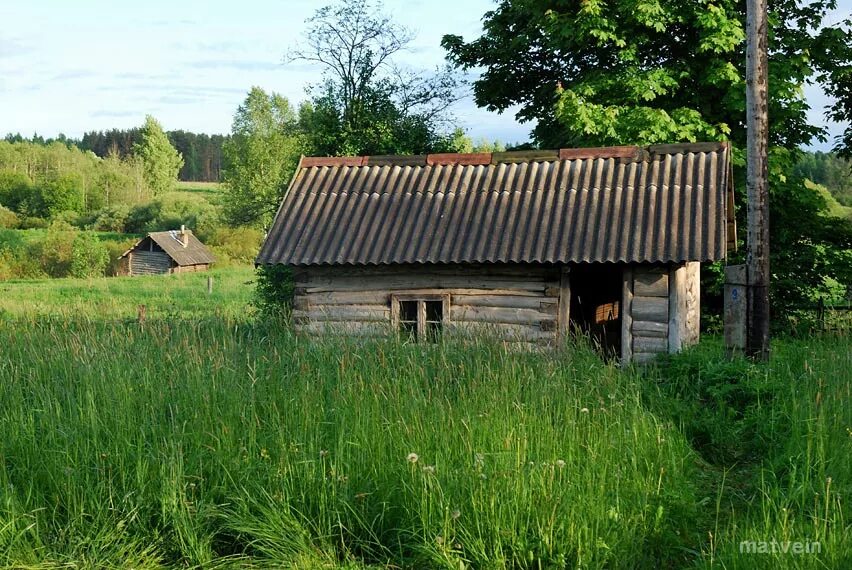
420 318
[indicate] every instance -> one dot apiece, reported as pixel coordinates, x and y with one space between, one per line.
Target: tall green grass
213 440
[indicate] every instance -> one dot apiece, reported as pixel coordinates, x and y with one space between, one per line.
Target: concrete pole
757 342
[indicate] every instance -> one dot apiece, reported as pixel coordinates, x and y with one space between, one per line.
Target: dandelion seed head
412 458
560 463
456 514
430 469
584 410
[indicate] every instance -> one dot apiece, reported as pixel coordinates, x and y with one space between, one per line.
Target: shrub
54 252
33 223
111 219
8 218
240 245
89 257
273 294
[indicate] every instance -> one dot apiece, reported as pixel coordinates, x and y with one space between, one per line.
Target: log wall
511 302
149 262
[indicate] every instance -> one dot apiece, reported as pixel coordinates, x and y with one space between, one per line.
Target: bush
18 265
111 219
33 223
54 252
273 294
8 218
240 245
89 257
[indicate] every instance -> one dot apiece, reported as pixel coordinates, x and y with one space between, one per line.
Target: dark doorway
596 290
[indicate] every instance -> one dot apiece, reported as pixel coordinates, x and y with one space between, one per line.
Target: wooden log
499 315
507 301
500 331
344 313
649 344
651 285
651 328
517 270
644 357
650 309
347 298
415 282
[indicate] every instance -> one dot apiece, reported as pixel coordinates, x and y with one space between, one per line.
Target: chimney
184 236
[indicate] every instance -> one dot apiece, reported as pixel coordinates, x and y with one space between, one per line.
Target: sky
70 66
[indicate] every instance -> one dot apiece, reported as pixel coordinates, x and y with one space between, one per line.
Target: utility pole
757 61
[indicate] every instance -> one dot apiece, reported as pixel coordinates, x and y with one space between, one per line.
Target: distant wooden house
524 245
175 251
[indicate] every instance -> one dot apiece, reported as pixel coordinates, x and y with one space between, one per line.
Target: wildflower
439 540
323 453
430 469
412 457
560 463
264 454
456 514
584 410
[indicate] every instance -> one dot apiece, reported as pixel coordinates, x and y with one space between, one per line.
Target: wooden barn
175 251
523 245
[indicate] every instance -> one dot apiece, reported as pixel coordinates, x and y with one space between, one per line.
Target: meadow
208 437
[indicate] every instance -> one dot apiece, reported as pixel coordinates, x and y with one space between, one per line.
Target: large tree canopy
644 71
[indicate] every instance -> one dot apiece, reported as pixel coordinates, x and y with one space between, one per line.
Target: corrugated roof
195 252
633 204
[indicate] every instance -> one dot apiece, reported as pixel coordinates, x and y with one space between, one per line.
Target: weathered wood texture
627 316
149 263
649 312
511 303
684 300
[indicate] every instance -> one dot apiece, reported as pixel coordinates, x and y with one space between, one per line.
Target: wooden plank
650 309
649 344
564 313
627 316
344 313
395 160
598 152
508 301
651 285
498 315
473 158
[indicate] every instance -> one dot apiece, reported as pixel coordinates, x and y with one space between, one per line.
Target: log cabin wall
149 262
516 303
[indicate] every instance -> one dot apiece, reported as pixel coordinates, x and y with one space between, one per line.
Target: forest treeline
202 153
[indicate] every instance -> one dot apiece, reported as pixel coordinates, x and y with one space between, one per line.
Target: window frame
421 299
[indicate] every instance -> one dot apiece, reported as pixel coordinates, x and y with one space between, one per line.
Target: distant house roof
195 252
660 203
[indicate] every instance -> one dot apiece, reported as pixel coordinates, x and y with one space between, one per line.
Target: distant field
166 296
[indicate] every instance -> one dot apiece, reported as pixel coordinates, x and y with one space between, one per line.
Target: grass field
208 438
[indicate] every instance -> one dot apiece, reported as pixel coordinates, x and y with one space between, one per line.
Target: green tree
260 157
366 103
645 71
161 161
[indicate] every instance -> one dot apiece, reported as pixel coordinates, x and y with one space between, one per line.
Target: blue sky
76 65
